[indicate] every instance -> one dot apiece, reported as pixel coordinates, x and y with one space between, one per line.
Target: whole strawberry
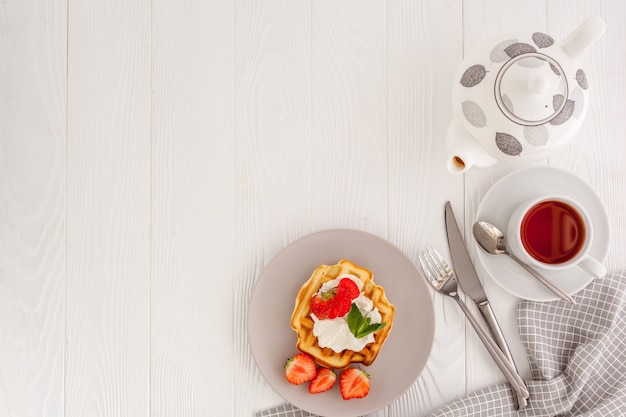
348 288
335 302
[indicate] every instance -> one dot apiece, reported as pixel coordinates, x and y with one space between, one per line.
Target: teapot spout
457 164
584 36
464 152
460 161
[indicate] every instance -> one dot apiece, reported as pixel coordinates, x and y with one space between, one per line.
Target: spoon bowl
492 240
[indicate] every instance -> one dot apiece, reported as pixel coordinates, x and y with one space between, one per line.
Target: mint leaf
354 319
371 328
361 326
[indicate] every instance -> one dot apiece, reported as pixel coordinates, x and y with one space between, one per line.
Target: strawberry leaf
361 326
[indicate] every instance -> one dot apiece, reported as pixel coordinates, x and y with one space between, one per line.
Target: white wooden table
155 155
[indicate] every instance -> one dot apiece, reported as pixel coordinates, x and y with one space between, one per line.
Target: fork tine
432 262
425 267
438 262
430 265
445 271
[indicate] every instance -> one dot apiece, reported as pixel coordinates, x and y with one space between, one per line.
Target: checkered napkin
577 355
285 410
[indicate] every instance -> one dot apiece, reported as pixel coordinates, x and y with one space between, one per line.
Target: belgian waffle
302 322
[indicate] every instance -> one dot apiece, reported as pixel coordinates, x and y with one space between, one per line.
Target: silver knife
470 284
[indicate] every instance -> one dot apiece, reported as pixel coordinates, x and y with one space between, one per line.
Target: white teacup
553 232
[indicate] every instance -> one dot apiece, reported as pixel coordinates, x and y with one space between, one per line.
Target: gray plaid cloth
285 410
577 355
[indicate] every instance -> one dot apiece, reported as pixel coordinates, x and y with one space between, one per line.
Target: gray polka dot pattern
508 144
473 75
542 40
474 114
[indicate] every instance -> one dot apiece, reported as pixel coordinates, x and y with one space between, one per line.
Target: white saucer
499 203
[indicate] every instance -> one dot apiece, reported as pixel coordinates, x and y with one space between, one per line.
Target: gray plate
405 351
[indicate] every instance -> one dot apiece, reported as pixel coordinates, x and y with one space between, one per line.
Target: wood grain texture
272 160
348 115
32 207
108 210
418 183
192 254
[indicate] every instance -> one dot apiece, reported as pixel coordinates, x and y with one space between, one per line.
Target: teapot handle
584 36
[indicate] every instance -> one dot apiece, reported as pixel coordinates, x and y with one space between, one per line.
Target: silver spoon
491 239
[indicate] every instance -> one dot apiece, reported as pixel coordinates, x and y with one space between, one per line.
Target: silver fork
441 276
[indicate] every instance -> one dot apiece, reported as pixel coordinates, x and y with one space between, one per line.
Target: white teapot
519 100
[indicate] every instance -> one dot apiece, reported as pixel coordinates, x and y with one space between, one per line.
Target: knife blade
471 285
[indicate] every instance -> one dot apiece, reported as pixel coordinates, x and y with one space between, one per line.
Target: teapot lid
531 89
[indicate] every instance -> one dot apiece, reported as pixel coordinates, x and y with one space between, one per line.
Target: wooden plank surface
271 179
348 115
155 156
192 258
419 185
33 45
107 283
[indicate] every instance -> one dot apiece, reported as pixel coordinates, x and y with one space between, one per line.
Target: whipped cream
335 333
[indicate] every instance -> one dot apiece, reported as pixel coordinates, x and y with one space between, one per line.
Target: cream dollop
335 333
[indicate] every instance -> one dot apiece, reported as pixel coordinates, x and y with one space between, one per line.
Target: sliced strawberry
323 381
354 383
349 287
300 368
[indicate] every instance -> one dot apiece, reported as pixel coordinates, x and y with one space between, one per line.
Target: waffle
302 323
